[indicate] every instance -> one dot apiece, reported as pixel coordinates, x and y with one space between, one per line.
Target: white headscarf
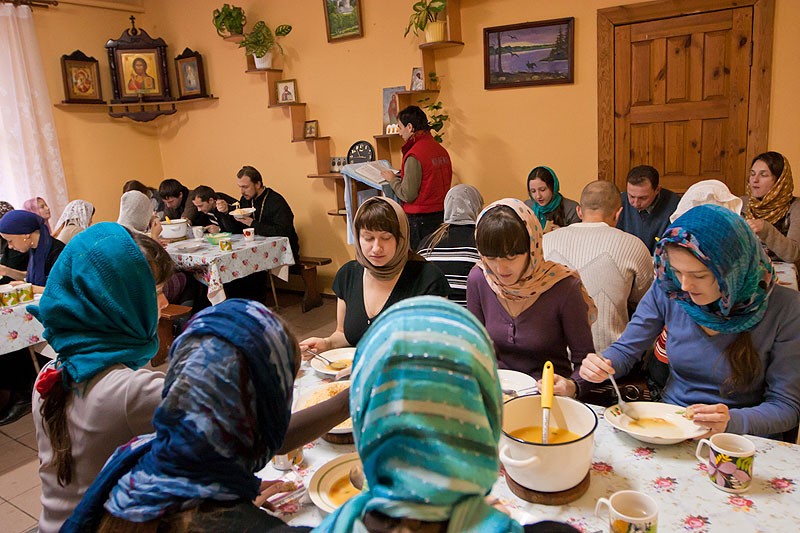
712 192
462 205
78 212
135 211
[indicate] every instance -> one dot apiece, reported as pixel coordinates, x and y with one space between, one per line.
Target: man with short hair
204 199
646 206
615 267
175 197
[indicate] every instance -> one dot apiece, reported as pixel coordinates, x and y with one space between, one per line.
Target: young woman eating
452 246
551 209
27 232
533 309
384 272
734 335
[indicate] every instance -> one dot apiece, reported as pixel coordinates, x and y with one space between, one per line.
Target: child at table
734 335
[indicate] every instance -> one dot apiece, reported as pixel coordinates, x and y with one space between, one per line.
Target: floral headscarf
79 211
775 204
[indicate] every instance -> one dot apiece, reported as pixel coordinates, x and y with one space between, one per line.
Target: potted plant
436 120
230 19
425 18
260 41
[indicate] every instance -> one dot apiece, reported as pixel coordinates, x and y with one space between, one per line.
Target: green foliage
261 39
424 11
341 24
436 119
230 19
560 47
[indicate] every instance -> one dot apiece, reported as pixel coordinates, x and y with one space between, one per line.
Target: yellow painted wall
494 137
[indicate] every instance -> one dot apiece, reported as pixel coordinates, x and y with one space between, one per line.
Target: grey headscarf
135 211
462 205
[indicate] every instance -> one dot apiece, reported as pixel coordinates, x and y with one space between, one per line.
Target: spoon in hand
623 405
334 365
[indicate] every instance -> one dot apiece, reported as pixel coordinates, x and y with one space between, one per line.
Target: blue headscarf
426 407
99 306
18 222
541 210
226 409
725 244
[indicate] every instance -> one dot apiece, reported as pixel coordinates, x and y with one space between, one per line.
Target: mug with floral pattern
730 461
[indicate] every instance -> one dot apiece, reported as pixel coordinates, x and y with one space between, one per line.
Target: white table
20 330
670 474
213 266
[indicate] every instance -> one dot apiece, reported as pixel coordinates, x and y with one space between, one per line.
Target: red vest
437 174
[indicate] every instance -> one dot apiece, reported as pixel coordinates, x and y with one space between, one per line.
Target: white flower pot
263 63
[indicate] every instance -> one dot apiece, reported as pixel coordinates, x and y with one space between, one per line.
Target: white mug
249 234
630 510
197 232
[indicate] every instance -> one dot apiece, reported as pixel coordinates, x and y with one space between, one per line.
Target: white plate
301 401
682 428
188 247
332 355
513 380
322 480
243 211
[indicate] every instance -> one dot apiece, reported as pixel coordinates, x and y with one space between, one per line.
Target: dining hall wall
494 137
99 153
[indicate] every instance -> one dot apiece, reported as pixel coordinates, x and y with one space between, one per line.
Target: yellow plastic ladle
547 400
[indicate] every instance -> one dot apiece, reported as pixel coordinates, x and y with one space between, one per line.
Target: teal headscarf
99 306
725 244
541 210
427 411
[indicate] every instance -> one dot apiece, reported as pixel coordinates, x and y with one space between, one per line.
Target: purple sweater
557 320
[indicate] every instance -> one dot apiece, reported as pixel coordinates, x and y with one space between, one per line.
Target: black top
198 218
418 278
56 247
273 218
11 259
455 255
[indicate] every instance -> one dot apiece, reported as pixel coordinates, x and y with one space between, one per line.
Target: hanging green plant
230 19
436 119
425 11
260 40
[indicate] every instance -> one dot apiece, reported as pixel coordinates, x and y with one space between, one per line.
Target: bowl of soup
564 461
174 229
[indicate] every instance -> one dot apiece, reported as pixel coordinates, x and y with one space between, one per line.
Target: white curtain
30 160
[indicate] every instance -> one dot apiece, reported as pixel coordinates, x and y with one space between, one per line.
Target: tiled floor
20 488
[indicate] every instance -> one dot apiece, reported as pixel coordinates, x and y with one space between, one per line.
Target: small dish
214 238
324 479
659 423
513 380
337 354
188 247
242 212
324 392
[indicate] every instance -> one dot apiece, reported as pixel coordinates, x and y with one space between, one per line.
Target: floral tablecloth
18 328
670 474
213 267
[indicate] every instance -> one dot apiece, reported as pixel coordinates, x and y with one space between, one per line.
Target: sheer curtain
30 160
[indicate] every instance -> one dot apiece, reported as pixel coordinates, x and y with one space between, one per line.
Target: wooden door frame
760 69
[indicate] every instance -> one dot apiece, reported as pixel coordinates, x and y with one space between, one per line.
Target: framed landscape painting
531 53
343 19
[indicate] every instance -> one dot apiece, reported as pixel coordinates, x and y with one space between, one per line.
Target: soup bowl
174 229
547 467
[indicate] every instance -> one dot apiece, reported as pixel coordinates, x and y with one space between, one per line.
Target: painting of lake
535 53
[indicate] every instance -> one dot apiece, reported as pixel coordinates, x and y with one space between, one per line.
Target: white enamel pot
547 467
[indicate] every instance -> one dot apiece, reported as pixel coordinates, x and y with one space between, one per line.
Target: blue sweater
653 224
698 365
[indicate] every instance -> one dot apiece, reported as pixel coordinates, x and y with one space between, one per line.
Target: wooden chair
166 330
307 269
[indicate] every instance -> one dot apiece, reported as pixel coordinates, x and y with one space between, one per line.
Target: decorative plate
326 476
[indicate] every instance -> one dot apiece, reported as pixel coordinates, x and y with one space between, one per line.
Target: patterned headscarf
726 245
19 222
462 205
226 408
79 211
541 210
540 275
427 413
775 204
5 207
706 192
402 252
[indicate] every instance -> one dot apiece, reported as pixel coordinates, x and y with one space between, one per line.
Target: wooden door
681 97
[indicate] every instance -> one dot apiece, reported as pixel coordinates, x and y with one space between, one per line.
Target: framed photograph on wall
311 129
190 75
531 53
81 76
390 105
138 67
417 81
342 19
286 91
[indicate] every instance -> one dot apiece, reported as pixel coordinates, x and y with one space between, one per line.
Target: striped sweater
455 256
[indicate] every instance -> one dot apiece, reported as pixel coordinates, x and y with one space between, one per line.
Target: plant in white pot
261 40
426 18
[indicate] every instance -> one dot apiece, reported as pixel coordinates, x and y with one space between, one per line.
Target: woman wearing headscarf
26 232
77 216
39 207
546 201
427 415
384 272
734 335
225 411
13 264
707 192
136 214
771 209
535 310
452 246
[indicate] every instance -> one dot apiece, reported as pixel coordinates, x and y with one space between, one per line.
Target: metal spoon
334 365
514 393
357 477
623 405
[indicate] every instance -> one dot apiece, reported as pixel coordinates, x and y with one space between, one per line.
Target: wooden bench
166 330
307 269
